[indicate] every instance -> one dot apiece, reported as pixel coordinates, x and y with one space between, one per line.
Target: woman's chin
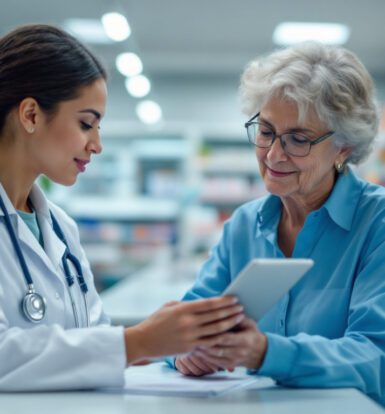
65 181
278 189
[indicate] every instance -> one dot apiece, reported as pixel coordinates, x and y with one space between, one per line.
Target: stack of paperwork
159 379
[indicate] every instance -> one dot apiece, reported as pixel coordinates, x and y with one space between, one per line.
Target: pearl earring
339 167
31 130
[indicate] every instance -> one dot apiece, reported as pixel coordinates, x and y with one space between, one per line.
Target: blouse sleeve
355 360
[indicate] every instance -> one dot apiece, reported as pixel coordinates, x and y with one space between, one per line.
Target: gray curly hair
330 80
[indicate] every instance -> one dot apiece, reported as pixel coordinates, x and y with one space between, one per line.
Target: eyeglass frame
279 136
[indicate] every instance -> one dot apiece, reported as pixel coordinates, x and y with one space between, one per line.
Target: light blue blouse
329 330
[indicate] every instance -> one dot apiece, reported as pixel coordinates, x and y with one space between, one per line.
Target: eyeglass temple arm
252 119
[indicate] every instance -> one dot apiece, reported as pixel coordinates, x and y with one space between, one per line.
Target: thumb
142 362
247 323
171 303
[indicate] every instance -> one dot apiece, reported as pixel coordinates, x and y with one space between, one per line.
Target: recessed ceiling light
129 64
149 112
138 86
87 30
116 26
289 33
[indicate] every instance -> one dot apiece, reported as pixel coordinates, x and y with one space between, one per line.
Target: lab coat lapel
51 257
29 243
53 246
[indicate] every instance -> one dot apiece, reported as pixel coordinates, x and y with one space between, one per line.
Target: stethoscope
33 304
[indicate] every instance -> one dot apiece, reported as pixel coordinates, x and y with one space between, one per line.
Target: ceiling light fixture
129 64
149 112
116 26
138 86
87 30
290 33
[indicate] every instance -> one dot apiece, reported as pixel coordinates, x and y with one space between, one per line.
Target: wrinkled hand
194 365
178 328
246 347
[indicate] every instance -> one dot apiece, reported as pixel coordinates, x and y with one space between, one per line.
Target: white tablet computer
262 282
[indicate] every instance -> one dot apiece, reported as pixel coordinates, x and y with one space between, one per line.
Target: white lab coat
52 354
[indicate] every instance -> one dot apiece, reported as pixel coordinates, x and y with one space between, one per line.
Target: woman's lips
81 164
276 173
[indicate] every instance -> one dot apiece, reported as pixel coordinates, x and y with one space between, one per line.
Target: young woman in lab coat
53 332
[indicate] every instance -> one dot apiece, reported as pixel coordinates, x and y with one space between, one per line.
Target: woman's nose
95 145
276 152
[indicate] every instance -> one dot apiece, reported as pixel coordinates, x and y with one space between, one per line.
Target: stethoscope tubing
16 245
69 278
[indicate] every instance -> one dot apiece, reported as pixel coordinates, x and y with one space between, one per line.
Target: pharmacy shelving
228 172
155 192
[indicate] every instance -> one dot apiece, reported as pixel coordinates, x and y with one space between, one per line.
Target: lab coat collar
40 203
38 200
54 248
8 205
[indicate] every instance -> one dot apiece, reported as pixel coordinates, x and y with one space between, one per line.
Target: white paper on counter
159 379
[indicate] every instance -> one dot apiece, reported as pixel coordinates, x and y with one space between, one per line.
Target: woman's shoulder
369 214
372 196
354 194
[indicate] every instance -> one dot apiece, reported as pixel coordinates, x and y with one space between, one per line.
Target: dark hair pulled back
44 63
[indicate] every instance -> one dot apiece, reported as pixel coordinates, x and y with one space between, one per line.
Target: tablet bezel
264 281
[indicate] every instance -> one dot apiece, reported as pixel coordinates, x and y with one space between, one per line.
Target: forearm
314 361
178 328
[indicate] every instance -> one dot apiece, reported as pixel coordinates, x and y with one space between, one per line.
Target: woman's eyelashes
85 126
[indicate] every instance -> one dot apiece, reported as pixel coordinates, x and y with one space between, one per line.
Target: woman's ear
343 155
28 112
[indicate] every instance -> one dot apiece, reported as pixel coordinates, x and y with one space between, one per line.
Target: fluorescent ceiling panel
87 30
290 33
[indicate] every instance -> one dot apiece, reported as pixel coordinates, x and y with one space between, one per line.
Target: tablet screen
264 281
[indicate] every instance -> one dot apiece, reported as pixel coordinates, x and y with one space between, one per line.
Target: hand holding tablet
262 282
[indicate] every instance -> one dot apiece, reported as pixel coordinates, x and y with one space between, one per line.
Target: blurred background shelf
147 194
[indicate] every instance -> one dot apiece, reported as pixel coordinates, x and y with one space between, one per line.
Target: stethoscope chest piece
34 306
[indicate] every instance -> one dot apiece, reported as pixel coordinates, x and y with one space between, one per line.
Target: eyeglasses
293 143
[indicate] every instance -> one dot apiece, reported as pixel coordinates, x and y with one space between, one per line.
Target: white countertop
262 401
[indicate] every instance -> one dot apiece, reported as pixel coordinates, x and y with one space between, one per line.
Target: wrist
262 350
133 339
259 353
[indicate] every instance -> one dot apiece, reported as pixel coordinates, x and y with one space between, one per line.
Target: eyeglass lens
292 143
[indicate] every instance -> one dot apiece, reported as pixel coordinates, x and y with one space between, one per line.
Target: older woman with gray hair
312 114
